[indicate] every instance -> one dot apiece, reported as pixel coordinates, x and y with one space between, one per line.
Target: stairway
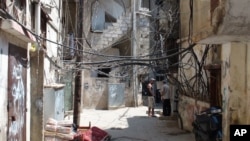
114 32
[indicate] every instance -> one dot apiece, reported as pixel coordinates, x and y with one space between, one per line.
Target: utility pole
78 74
36 85
134 46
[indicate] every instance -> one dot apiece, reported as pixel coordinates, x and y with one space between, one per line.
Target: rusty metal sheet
17 68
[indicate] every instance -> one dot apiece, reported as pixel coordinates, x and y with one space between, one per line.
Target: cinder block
107 35
116 24
114 35
124 28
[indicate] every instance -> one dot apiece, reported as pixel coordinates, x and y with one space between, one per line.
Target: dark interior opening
103 72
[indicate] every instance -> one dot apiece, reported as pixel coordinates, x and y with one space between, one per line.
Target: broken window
103 72
109 18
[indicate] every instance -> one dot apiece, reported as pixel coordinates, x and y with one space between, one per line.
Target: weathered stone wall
235 85
95 89
3 86
5 39
235 94
95 92
94 97
228 24
187 108
201 21
189 105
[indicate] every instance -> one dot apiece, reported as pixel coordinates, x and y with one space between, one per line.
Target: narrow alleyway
133 124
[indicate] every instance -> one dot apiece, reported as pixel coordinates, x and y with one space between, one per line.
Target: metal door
116 98
17 93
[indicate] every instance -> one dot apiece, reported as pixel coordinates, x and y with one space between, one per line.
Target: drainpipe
134 46
37 18
28 92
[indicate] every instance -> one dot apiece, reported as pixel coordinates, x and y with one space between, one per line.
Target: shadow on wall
103 100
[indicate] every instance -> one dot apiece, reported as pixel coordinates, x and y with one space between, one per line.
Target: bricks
116 30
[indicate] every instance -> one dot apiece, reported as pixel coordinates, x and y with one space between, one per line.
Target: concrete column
36 72
134 53
234 86
36 88
248 80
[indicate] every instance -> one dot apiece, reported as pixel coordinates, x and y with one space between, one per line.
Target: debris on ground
58 130
125 138
92 134
67 131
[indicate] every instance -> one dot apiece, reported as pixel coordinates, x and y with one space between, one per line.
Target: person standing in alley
165 96
151 99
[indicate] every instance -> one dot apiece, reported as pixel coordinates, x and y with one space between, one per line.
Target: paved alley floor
133 124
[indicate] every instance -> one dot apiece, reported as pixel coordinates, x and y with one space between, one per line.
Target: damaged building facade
126 29
119 30
54 51
216 71
98 54
28 65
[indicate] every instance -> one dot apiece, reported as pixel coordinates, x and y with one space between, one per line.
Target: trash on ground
67 131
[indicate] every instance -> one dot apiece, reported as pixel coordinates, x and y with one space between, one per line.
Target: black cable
132 59
190 32
40 37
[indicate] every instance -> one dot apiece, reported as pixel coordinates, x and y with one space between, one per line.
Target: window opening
103 72
144 5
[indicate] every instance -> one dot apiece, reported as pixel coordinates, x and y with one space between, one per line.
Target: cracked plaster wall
237 19
235 85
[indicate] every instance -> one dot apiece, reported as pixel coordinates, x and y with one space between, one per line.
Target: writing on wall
18 104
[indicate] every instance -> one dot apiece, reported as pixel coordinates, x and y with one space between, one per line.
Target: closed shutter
98 17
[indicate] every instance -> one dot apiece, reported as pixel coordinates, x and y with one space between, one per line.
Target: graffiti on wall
99 85
18 104
16 89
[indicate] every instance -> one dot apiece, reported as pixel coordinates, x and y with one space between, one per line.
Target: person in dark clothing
151 99
166 96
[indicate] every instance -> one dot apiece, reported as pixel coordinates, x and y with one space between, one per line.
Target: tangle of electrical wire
125 61
191 79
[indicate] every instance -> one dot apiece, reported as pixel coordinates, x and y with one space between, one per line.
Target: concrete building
140 29
220 30
28 63
112 30
108 49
